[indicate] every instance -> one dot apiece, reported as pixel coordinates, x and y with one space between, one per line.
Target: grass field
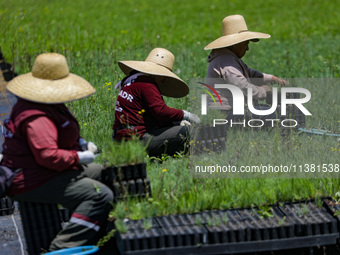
94 35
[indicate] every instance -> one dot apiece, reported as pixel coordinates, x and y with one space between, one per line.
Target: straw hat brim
229 40
171 86
67 89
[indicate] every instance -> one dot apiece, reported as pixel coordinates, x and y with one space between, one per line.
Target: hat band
242 31
62 77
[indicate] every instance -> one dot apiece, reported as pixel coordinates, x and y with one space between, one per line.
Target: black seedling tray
129 181
128 172
210 145
182 236
6 69
333 208
6 206
210 132
65 214
41 223
209 138
293 112
278 227
133 188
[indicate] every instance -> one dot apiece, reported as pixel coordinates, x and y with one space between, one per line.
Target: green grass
95 35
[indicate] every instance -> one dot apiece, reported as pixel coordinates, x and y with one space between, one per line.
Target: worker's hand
92 147
85 157
267 88
280 81
185 123
191 117
87 145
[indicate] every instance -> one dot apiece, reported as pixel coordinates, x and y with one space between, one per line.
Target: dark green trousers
168 140
82 193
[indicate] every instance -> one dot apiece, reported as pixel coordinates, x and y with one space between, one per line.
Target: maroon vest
16 151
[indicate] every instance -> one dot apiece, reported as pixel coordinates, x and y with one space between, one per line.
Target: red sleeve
157 106
42 137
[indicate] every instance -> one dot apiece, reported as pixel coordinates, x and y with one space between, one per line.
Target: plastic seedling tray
283 226
6 206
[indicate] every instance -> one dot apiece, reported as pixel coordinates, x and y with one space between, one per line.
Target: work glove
85 157
191 117
87 145
185 123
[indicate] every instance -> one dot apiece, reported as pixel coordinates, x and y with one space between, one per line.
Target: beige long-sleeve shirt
226 67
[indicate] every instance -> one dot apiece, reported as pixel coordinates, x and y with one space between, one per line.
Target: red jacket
42 139
140 107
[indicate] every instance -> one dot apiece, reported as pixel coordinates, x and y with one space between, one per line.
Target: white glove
87 145
92 147
191 117
85 157
185 123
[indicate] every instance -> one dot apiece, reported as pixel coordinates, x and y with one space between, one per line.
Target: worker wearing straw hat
141 111
225 61
42 140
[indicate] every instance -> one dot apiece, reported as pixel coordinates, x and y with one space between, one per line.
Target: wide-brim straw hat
234 30
50 82
159 63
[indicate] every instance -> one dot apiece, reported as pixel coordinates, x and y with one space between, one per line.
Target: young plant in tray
125 161
265 212
122 153
212 114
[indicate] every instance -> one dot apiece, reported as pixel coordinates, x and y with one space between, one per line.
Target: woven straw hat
160 64
234 30
50 82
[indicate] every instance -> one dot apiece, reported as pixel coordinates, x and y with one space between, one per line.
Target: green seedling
305 209
282 221
147 224
198 220
216 221
161 159
120 211
121 226
265 212
106 238
210 222
302 210
225 218
337 197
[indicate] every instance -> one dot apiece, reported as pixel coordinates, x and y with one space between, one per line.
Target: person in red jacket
140 110
55 164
